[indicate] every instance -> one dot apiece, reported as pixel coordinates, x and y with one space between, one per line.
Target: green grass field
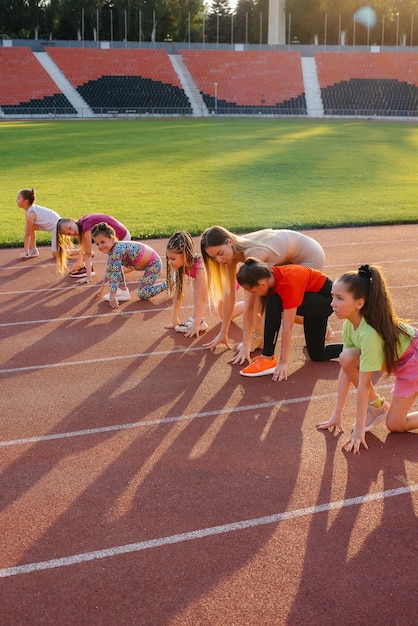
160 175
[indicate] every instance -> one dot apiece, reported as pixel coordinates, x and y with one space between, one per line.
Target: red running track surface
144 481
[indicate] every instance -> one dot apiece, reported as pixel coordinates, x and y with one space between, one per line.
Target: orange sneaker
260 366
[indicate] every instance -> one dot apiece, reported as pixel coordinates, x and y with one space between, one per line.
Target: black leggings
315 309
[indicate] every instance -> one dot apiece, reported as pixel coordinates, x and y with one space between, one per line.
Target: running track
145 482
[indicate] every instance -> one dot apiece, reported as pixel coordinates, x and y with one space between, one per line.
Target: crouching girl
289 290
125 257
375 340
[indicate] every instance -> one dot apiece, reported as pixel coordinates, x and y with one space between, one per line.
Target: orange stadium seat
248 81
134 80
26 87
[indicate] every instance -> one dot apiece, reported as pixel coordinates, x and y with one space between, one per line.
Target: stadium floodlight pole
354 32
203 30
261 29
97 26
397 29
217 31
289 29
140 28
188 26
412 29
232 30
82 27
368 28
153 27
339 31
111 28
383 30
126 28
325 31
246 30
278 28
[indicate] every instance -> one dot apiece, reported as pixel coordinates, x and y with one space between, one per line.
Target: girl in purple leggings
125 257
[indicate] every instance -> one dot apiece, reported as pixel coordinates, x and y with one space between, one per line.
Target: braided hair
181 243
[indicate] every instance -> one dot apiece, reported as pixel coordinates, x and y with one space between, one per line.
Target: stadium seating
364 83
26 88
123 80
248 81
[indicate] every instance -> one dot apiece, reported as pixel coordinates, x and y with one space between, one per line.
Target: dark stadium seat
364 83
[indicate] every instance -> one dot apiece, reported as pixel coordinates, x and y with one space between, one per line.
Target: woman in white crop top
222 251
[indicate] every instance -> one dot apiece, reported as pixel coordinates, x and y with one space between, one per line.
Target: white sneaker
185 326
121 295
30 254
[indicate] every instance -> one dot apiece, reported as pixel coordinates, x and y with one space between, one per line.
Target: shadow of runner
360 560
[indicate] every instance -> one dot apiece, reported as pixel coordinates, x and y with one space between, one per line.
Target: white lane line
120 357
68 288
211 531
174 418
73 318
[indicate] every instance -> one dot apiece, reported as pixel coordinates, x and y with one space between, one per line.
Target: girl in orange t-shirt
287 291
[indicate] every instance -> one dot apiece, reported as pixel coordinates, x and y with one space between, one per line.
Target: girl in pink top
182 261
68 228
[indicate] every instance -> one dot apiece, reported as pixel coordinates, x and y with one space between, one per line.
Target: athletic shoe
186 326
82 272
375 415
260 366
30 254
257 342
121 295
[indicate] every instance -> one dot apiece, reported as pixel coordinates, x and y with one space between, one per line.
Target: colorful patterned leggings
147 287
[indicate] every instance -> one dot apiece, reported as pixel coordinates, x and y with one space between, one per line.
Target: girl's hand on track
334 423
280 373
114 302
241 357
355 441
220 338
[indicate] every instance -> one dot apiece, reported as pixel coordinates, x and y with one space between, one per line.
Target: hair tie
364 272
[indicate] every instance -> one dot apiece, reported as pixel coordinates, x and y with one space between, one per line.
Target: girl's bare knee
395 426
349 357
396 429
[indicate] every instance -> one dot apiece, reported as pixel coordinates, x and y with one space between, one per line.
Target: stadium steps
189 86
67 89
312 89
